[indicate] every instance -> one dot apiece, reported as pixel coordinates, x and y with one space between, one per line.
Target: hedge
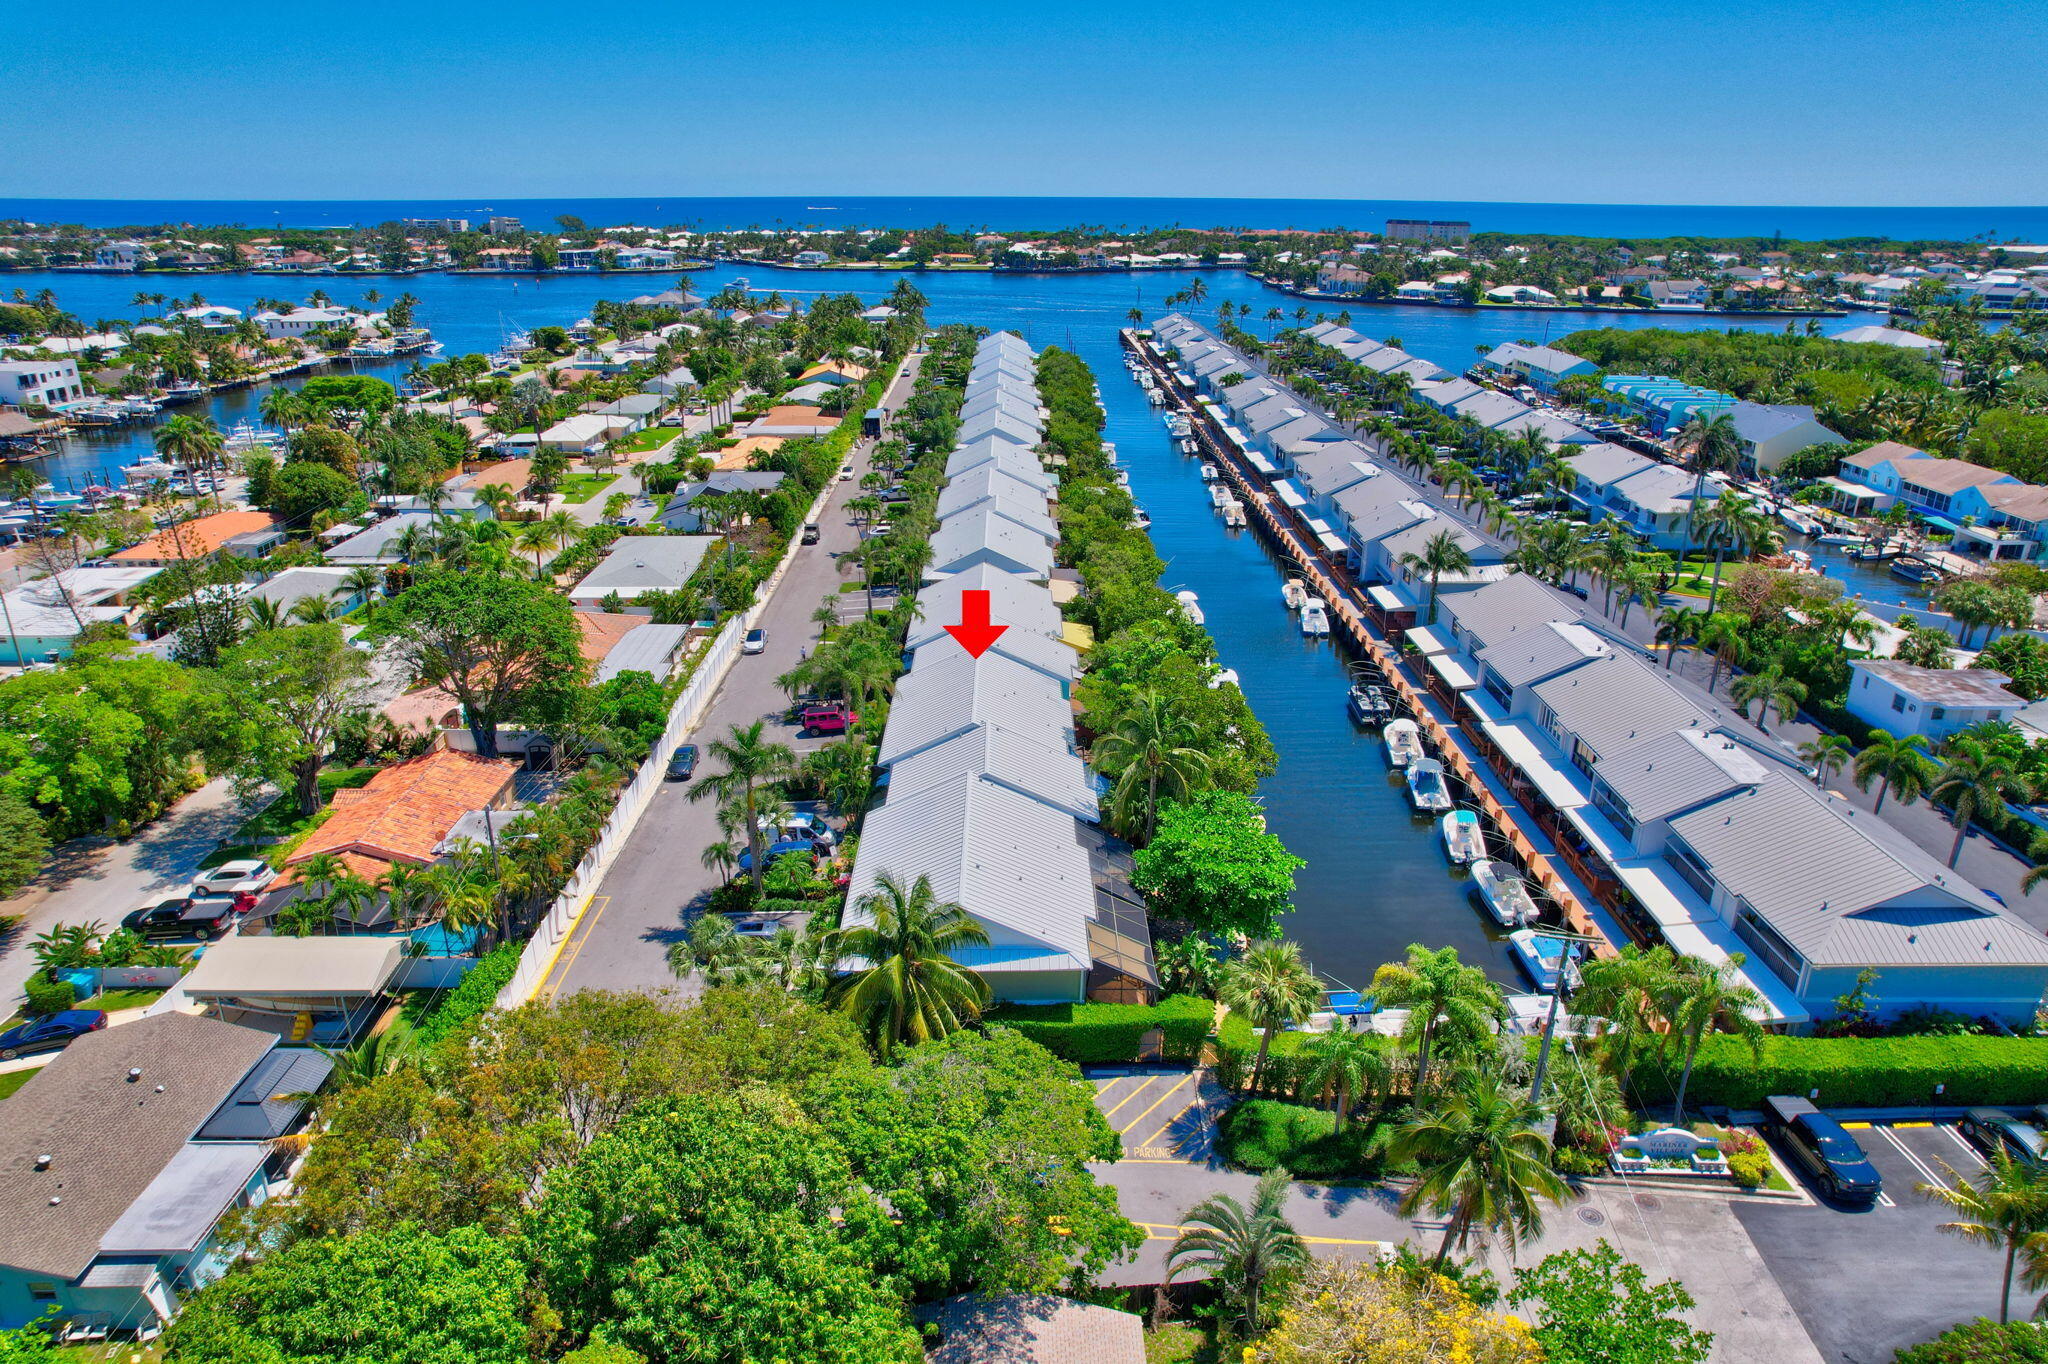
1860 1072
474 997
1104 1034
1264 1134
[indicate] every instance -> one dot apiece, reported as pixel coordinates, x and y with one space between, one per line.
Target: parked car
803 825
782 847
755 642
846 475
188 916
1999 1132
811 532
682 764
244 875
1827 1151
50 1032
826 717
756 928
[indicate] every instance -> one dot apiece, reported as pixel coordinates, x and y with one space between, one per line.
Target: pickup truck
826 717
1826 1151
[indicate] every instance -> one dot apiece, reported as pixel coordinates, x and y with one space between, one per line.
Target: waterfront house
1689 295
1009 496
1519 294
643 563
1445 394
210 316
1488 408
123 1154
1666 404
1934 702
1889 336
1772 433
39 383
1416 291
1006 402
299 322
202 537
995 424
1013 459
1991 513
43 618
1023 606
1543 366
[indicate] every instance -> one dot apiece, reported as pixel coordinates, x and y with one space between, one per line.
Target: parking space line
1144 1083
1911 1158
1912 1124
1125 1130
1166 1126
1959 1139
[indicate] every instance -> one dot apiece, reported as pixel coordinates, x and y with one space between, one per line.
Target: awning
1262 464
1524 752
1427 639
1450 670
1327 538
1389 598
1941 523
1855 490
1236 436
1290 493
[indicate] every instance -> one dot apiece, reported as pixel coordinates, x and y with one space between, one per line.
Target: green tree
2004 1207
1982 1341
1593 1307
291 691
1705 994
300 492
1975 781
1448 1002
716 1229
1149 755
24 841
506 648
1439 555
1627 989
192 441
2021 657
1827 755
326 446
1900 765
389 1295
749 763
1481 1163
1771 689
1351 1064
1271 986
1214 866
1243 1250
909 990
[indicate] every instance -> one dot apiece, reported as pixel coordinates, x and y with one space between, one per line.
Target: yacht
1427 790
1315 621
1140 518
1505 895
1464 839
1404 742
1186 444
1540 956
248 437
1798 520
1876 553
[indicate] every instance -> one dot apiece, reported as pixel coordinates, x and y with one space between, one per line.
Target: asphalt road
657 882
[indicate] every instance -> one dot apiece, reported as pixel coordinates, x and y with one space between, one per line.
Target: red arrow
974 631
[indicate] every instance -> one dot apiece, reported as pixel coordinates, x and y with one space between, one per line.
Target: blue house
1544 366
1666 403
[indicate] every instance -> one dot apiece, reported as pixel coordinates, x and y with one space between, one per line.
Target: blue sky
1868 103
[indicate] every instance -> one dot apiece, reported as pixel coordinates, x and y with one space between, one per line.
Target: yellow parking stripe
1125 1130
1912 1124
1856 1126
1166 1126
1144 1082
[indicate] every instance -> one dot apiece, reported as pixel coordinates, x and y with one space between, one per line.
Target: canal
1376 878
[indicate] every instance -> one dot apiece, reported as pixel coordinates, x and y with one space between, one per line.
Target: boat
1233 513
1540 956
1839 538
1915 571
1186 444
1799 521
1367 704
247 437
1209 472
1190 605
1315 621
1140 518
1427 790
1219 496
1294 594
1464 839
1404 742
1876 554
1226 677
1505 895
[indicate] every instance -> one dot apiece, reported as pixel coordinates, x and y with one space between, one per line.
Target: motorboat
1541 956
1225 677
1799 521
1186 444
1209 472
1294 594
1839 538
1915 571
1464 838
1368 705
1404 742
1505 895
1190 605
1315 620
1233 513
1427 789
1873 553
1140 518
1219 496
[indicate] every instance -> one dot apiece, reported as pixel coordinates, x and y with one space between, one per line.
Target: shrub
1103 1034
475 996
1858 1072
1570 1160
1264 1134
1982 1341
1749 1169
46 996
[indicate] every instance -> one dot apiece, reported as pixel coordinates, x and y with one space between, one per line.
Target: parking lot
1160 1115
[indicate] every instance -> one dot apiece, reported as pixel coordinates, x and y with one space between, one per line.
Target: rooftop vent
134 1074
43 1162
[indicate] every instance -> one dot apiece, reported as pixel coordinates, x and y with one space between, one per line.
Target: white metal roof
1013 601
951 693
1054 776
983 535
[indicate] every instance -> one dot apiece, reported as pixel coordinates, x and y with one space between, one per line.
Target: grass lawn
583 487
15 1079
653 438
281 818
111 1000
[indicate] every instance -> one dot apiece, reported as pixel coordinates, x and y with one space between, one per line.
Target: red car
831 717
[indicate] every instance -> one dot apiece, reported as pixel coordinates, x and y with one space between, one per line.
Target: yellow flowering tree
1342 1313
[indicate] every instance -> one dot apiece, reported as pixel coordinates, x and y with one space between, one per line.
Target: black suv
1828 1152
203 918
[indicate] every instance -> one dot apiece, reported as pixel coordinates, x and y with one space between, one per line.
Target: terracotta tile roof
741 456
794 415
409 808
602 631
423 711
195 539
846 369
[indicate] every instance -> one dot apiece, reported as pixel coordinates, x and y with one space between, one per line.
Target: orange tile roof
790 414
741 456
408 808
197 538
508 473
602 631
846 369
423 711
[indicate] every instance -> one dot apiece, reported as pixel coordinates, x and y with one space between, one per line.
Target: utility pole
1567 973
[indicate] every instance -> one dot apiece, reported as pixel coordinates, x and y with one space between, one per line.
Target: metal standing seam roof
281 968
1249 392
1489 408
186 1200
982 535
1446 393
1015 863
645 648
1305 430
1221 360
994 485
1052 776
1040 653
1419 370
1386 358
638 563
1385 512
1616 701
1001 386
1501 610
1605 464
1271 414
1660 777
1360 349
1013 601
269 1101
1033 518
1659 488
1554 429
1331 466
1006 401
995 424
1012 458
1545 651
1415 537
952 693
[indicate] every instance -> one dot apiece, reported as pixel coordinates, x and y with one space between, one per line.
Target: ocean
2028 224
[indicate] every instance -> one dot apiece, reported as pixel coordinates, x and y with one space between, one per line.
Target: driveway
657 884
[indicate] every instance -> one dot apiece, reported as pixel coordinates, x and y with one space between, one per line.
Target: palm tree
721 857
1481 1161
1271 986
1352 1063
1900 766
365 582
194 441
1974 781
751 762
909 990
1722 634
1444 997
1826 755
1150 753
1711 443
1241 1248
375 1057
2005 1207
262 613
1627 990
1772 688
312 610
1739 524
534 537
463 896
1703 994
1678 627
1440 554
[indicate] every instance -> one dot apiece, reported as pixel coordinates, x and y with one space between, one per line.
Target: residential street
643 904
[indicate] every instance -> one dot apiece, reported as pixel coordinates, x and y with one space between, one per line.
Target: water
1376 878
1019 214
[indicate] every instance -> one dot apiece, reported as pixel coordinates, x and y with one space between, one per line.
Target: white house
39 383
1933 702
299 321
122 255
643 563
42 619
583 432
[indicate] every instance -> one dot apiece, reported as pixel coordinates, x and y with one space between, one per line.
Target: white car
756 928
246 876
846 475
755 642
